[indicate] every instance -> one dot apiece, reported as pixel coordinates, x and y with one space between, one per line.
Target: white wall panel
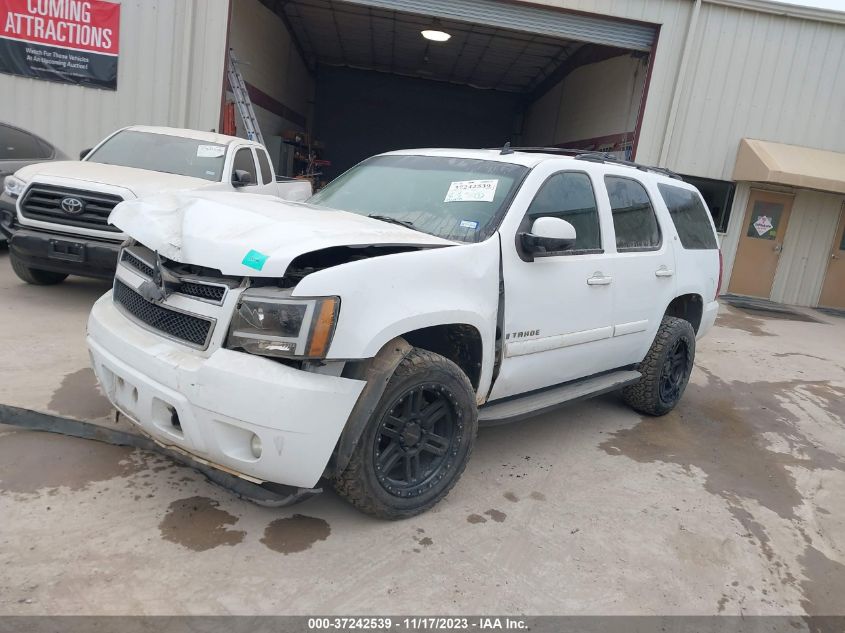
170 72
758 75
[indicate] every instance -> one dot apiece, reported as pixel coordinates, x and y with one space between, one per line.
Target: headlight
269 324
13 186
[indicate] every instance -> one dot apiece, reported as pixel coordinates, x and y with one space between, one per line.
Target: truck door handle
664 272
598 279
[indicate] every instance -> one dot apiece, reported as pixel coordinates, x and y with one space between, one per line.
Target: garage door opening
336 81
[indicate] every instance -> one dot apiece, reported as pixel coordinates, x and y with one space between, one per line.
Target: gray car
19 148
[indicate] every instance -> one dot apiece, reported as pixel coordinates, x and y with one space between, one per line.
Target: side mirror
85 153
547 237
241 178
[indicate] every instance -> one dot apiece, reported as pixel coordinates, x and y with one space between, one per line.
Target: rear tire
417 443
666 369
34 275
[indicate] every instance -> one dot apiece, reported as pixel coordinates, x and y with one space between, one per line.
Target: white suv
363 336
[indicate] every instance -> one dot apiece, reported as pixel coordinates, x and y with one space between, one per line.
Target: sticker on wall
210 151
763 225
472 191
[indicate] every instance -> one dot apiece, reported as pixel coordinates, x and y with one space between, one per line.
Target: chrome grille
44 203
174 324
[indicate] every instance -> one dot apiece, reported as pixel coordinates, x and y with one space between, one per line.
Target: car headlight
13 186
271 324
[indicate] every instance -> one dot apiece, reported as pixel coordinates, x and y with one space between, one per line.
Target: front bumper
7 215
220 401
62 253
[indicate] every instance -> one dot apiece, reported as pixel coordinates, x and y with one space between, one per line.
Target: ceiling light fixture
435 34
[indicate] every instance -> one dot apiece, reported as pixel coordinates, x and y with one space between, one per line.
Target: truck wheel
418 441
666 369
34 275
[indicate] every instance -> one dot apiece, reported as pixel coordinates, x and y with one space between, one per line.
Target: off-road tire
33 275
645 396
359 482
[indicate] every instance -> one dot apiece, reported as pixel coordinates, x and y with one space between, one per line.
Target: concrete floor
734 503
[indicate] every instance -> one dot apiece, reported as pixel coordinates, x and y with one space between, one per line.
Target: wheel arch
689 307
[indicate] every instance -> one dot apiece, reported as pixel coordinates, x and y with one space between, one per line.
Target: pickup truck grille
197 289
44 203
180 326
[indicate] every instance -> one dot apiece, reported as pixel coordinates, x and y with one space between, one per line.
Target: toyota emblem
72 206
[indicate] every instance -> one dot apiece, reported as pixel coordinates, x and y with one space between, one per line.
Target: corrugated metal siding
758 75
806 248
169 73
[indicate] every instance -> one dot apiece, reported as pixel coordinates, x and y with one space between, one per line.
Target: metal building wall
758 75
170 72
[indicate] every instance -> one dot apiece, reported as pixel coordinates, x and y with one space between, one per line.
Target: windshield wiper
387 218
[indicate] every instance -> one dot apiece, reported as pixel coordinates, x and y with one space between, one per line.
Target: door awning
764 161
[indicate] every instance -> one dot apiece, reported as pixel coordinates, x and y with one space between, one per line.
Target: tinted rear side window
18 144
569 196
633 216
689 216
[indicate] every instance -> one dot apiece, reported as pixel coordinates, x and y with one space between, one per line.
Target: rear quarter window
690 217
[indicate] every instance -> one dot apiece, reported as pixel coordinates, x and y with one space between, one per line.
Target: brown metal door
833 291
760 244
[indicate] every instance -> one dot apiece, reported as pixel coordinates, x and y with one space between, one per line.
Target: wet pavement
734 503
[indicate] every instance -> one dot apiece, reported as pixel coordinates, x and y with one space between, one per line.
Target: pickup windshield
454 198
164 153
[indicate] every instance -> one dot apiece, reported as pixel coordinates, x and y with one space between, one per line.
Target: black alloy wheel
414 440
673 377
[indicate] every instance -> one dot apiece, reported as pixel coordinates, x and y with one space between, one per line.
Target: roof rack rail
604 157
588 155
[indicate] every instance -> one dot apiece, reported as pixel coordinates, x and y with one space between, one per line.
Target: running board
548 399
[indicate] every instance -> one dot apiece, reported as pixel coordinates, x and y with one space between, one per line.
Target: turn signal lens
321 335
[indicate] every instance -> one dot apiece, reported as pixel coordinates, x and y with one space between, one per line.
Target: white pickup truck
56 214
364 335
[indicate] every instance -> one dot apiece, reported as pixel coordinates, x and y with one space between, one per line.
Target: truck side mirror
548 236
241 178
85 153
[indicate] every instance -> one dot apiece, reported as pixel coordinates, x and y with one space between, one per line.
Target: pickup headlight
269 324
13 186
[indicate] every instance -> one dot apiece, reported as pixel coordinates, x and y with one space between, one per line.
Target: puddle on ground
719 429
737 320
511 497
199 524
824 587
31 461
496 515
476 518
79 397
295 534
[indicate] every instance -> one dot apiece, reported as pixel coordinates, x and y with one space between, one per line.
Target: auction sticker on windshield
210 151
472 191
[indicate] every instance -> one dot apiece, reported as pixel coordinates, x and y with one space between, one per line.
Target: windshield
162 152
454 198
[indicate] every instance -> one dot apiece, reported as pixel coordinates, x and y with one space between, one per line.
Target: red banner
85 25
69 41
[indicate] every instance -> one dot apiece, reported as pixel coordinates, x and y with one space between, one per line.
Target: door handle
778 248
664 272
598 279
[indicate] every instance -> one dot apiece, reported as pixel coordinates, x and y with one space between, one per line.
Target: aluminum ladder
242 100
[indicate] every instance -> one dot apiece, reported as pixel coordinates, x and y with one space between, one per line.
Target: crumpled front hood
249 234
140 182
